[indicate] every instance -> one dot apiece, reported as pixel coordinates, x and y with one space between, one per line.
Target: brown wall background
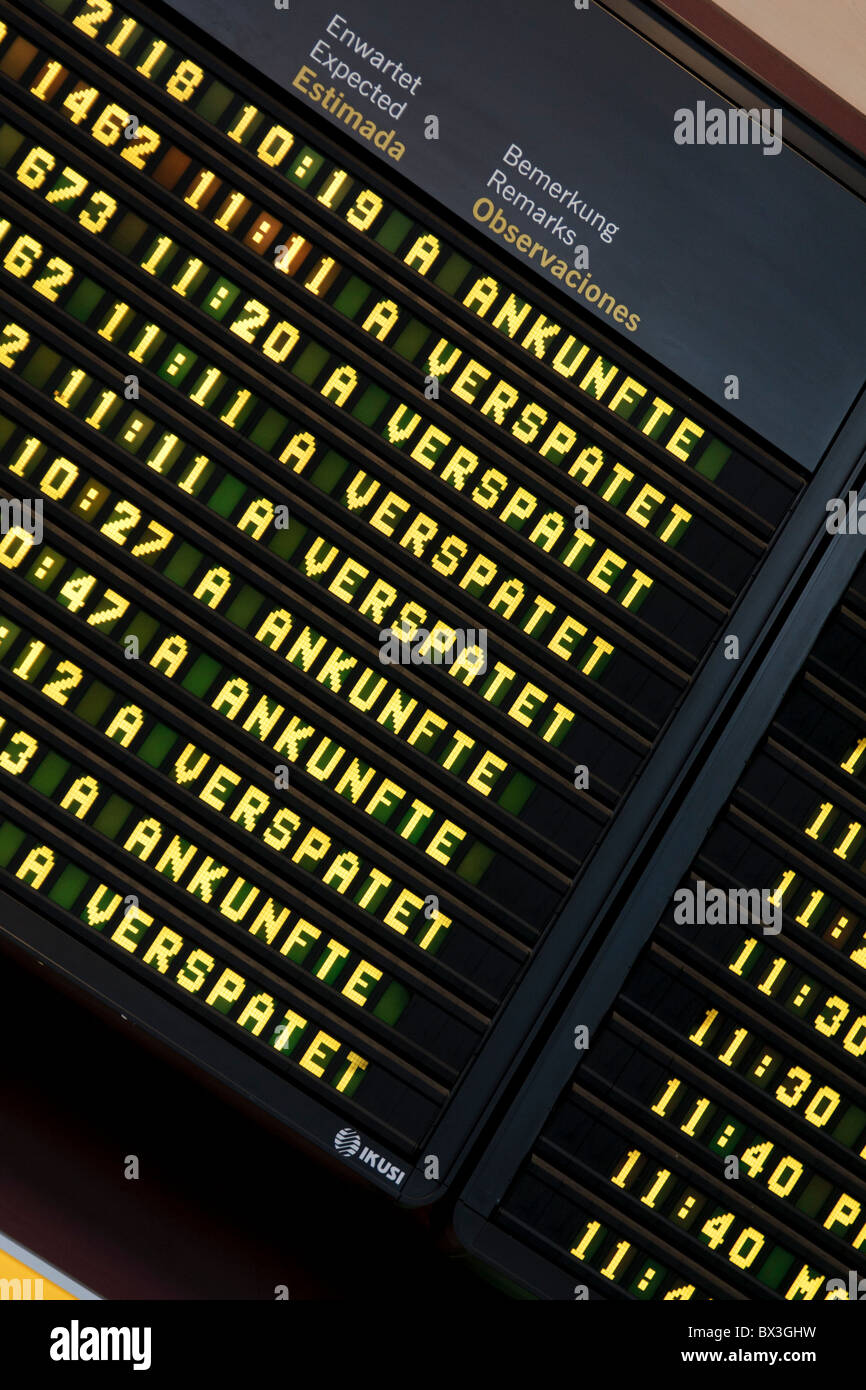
812 51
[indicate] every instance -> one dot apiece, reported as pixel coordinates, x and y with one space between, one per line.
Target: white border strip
46 1270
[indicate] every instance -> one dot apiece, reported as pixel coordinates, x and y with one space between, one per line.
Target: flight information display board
349 581
557 127
735 1036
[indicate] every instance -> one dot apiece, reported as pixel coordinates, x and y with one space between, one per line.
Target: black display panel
738 1033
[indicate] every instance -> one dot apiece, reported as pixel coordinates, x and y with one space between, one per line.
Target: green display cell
516 794
310 363
227 495
11 837
219 298
648 1279
391 1005
121 36
113 817
196 477
178 362
184 562
775 1267
129 231
58 6
165 453
268 429
94 702
713 459
41 366
353 294
243 609
413 338
223 403
215 100
66 191
107 403
245 892
373 895
594 388
393 231
192 285
158 254
850 1126
329 471
498 694
7 429
426 738
146 344
137 429
25 460
250 131
348 1088
15 548
452 274
285 543
727 1136
66 890
474 865
370 405
165 57
815 1194
201 675
46 569
157 745
298 659
629 404
333 970
84 300
284 1040
34 664
76 589
213 391
49 774
801 1000
113 323
10 143
304 166
143 627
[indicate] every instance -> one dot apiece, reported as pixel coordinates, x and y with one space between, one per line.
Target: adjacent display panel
335 554
738 1034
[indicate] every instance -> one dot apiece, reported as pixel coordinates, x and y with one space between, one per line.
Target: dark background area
224 1207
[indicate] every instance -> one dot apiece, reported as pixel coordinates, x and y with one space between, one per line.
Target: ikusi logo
348 1144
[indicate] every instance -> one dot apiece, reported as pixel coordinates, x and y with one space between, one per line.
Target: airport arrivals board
369 580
